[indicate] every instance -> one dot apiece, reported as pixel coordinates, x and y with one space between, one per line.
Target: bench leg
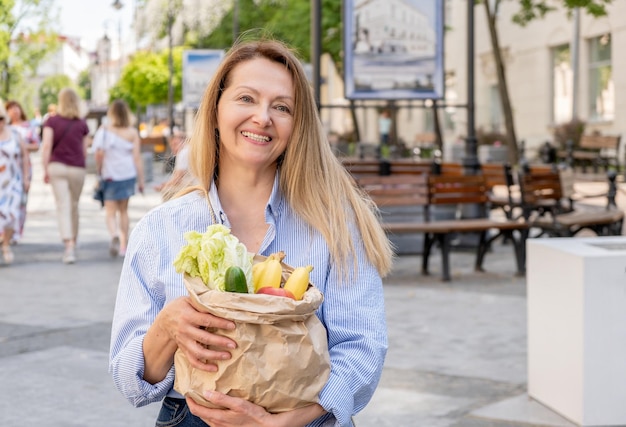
428 243
444 241
483 247
519 246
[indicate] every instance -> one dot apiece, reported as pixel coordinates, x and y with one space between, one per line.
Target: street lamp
117 5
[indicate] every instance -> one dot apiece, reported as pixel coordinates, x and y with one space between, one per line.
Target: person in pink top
63 153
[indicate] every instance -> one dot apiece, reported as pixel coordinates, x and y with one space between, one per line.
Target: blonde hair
313 181
69 103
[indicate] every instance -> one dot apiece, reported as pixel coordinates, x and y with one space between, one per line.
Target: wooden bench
154 144
595 151
426 191
543 208
368 167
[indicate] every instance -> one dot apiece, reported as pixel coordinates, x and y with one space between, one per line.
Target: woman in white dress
14 181
119 164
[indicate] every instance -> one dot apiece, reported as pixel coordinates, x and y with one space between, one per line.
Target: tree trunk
355 121
502 86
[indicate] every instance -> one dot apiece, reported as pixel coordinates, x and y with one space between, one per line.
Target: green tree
144 79
294 27
529 11
26 39
84 84
50 87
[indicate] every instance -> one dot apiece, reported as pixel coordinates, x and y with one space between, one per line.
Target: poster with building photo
393 49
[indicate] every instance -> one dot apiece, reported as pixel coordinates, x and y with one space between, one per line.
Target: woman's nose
262 116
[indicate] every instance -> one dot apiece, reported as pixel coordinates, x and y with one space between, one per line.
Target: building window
562 84
601 87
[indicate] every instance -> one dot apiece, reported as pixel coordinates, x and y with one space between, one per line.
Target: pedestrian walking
119 164
265 170
30 137
14 181
64 149
179 174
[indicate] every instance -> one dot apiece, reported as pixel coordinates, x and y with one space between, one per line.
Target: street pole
170 63
235 20
117 5
470 161
316 47
575 55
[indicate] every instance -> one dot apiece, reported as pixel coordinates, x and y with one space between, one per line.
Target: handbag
98 191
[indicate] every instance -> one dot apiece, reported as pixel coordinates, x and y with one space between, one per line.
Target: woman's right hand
180 326
193 331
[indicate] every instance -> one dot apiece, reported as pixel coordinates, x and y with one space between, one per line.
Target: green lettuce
208 255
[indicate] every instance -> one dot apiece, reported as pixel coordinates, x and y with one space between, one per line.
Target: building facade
557 68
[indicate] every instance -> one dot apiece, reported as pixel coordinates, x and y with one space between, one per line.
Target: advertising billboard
393 49
199 65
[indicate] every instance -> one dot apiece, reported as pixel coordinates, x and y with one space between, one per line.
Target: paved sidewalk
457 352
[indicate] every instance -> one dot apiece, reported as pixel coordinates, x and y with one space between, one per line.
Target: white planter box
577 327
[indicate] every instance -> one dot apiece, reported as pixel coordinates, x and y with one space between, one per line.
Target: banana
298 282
268 272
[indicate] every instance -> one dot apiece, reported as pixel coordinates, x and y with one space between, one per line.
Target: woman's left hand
236 413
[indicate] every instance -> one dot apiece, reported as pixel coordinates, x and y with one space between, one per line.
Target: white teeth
256 137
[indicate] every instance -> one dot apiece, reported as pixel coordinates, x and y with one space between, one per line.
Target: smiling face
255 114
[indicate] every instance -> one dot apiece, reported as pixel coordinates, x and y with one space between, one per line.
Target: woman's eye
245 98
283 108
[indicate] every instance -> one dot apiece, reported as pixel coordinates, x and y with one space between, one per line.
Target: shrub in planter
571 130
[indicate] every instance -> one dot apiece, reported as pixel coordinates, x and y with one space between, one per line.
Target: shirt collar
272 210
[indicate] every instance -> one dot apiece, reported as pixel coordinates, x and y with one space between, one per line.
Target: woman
118 162
264 168
179 174
30 137
64 148
14 181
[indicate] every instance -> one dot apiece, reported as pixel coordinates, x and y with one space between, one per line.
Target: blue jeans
175 413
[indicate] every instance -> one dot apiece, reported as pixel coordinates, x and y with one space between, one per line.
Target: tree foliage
294 27
536 9
145 79
26 39
50 87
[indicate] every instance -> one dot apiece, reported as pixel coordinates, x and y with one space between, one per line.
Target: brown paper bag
281 361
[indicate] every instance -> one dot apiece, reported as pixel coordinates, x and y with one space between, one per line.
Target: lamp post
316 47
117 5
470 160
170 64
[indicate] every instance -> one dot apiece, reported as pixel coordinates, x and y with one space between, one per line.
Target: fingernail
231 345
208 395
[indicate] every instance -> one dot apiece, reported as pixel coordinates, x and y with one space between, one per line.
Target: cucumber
235 280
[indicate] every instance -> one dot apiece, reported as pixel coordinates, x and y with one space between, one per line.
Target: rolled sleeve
354 317
139 299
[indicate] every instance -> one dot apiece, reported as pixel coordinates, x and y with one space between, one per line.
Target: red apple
268 290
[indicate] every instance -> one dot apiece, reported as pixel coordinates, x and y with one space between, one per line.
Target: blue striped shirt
352 311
